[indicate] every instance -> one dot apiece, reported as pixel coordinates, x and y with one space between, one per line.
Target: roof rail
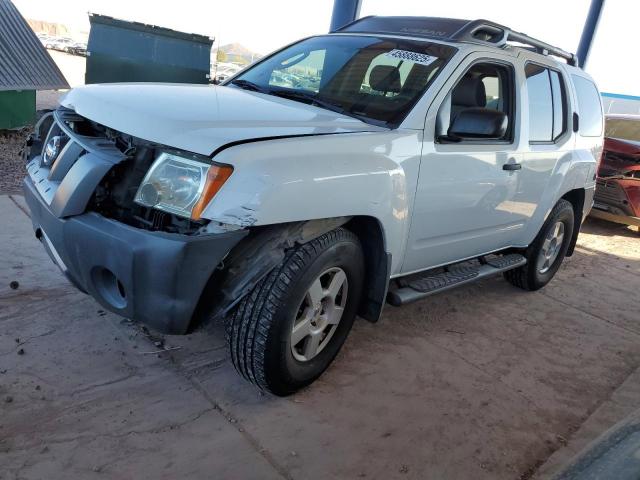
482 32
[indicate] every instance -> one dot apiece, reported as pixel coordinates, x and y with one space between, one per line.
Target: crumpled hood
202 118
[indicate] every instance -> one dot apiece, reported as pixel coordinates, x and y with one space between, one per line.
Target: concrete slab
484 382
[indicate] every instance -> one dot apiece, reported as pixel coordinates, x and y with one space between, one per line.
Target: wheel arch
265 247
576 197
377 265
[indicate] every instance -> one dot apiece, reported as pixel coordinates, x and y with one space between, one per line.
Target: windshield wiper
309 98
247 85
318 102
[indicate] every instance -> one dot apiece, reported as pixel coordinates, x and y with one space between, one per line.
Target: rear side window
590 110
559 104
547 103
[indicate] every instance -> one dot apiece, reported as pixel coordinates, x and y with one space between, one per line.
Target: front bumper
153 277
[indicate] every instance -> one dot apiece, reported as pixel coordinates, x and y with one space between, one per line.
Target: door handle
511 166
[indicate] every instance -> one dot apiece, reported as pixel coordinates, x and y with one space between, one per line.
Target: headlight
181 186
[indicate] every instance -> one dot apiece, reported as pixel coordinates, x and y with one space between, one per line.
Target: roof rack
481 32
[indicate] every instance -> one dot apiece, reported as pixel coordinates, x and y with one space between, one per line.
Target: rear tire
546 253
298 293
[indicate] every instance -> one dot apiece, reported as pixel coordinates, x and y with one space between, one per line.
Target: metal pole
589 31
344 11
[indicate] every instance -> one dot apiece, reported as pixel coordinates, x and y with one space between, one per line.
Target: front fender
313 177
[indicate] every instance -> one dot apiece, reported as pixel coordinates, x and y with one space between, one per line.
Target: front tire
286 332
546 253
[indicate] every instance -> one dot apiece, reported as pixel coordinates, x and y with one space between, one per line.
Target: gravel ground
12 141
11 163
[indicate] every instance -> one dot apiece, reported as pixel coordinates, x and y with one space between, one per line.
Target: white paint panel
322 177
201 118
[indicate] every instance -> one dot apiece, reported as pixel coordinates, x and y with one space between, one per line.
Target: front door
466 186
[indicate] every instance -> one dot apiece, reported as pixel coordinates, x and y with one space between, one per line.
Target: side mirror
479 123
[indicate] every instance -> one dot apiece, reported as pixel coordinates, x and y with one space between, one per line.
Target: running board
422 285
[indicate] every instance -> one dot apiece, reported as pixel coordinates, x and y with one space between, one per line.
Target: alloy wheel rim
319 314
550 247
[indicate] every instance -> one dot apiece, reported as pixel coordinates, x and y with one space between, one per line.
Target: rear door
548 146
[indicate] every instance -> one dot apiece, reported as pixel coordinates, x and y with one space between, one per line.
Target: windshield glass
375 79
623 128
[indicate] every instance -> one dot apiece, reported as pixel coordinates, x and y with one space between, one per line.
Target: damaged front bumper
153 277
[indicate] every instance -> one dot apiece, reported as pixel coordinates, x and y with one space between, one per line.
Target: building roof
24 62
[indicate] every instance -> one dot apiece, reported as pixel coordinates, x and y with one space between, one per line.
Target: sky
263 26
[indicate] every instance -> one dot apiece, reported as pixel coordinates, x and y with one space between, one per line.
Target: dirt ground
12 142
483 382
71 66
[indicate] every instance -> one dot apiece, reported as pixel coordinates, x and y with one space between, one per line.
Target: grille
67 166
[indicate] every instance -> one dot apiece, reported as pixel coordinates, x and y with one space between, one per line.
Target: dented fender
255 256
286 180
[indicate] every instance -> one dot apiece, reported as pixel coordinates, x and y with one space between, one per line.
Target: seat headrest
469 92
385 78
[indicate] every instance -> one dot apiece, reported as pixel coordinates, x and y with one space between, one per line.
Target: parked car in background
223 70
64 44
77 48
394 159
617 195
59 43
44 38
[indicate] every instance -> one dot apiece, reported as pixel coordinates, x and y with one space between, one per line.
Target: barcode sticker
414 57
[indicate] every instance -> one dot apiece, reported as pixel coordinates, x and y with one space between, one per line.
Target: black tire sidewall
564 213
283 371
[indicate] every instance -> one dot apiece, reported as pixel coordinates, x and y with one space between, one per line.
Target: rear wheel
289 328
546 253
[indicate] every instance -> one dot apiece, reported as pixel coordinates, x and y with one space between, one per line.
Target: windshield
623 128
375 79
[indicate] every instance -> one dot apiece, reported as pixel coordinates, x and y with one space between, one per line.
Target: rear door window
589 108
547 103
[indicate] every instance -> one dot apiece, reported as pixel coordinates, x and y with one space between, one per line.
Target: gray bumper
153 277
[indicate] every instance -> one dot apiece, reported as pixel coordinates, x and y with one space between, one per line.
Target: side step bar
422 285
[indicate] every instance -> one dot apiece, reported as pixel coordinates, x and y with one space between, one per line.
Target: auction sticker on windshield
414 57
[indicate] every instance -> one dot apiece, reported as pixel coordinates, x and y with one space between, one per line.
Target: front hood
202 118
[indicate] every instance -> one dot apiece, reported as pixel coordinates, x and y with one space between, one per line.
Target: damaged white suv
395 158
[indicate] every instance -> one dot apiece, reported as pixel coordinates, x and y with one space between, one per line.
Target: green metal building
25 67
122 51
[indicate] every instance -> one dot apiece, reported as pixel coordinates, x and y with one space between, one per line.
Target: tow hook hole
110 287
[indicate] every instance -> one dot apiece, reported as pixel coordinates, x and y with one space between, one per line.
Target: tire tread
248 327
521 276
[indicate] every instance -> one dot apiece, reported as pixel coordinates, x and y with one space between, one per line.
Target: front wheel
286 332
547 251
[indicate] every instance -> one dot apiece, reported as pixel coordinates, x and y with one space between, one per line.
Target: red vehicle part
618 182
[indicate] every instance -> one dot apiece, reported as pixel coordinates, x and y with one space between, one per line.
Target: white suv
388 161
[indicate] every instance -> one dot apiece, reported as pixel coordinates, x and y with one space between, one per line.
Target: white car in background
223 71
418 154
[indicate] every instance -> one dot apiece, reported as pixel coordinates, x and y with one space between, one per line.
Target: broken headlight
181 186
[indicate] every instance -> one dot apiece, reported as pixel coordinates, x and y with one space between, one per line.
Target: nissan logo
51 151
